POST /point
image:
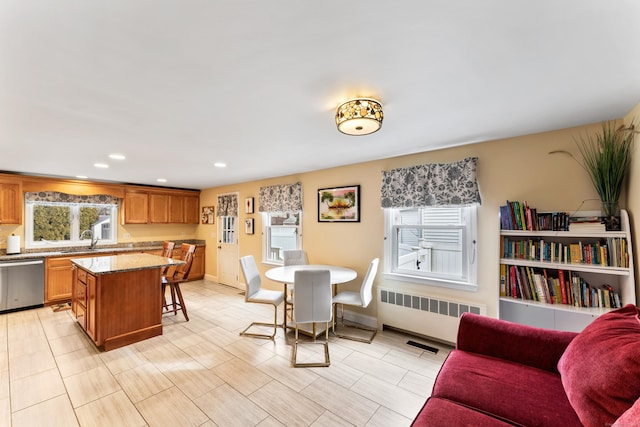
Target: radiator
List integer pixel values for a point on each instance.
(423, 314)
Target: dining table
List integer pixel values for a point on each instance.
(286, 275)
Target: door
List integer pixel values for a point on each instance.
(228, 264)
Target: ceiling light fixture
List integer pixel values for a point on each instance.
(220, 165)
(360, 116)
(117, 156)
(101, 165)
(161, 180)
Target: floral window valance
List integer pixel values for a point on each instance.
(57, 197)
(228, 205)
(436, 184)
(280, 198)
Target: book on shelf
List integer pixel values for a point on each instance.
(557, 287)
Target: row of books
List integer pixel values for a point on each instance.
(519, 216)
(564, 287)
(609, 252)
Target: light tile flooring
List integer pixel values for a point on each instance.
(202, 373)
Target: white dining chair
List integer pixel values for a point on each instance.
(358, 299)
(312, 304)
(295, 257)
(292, 257)
(254, 293)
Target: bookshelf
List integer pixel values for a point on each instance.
(594, 266)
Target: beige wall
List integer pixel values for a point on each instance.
(633, 183)
(520, 168)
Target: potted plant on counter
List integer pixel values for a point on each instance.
(606, 157)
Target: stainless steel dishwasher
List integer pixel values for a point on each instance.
(21, 284)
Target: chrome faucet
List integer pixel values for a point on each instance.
(93, 241)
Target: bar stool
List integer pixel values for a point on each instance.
(173, 282)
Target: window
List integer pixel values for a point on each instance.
(281, 231)
(66, 224)
(432, 245)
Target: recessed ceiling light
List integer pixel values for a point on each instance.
(161, 180)
(220, 165)
(82, 176)
(117, 156)
(101, 165)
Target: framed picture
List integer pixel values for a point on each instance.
(248, 226)
(248, 205)
(208, 216)
(339, 204)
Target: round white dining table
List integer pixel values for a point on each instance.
(287, 273)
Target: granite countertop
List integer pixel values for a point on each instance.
(119, 263)
(58, 252)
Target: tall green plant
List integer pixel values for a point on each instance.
(606, 157)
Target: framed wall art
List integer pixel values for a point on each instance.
(339, 204)
(248, 205)
(208, 216)
(248, 226)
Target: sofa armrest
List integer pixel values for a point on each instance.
(537, 347)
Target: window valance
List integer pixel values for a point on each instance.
(280, 198)
(227, 205)
(436, 184)
(58, 197)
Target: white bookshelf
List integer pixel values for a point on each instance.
(563, 316)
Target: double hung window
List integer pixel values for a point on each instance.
(432, 245)
(50, 223)
(281, 231)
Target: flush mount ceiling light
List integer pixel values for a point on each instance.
(360, 116)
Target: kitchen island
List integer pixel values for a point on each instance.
(117, 299)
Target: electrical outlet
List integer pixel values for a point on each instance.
(127, 235)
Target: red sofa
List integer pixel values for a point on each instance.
(504, 374)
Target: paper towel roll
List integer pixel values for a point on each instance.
(13, 244)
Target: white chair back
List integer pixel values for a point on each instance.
(312, 298)
(366, 291)
(295, 257)
(251, 276)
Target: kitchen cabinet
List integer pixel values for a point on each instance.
(175, 209)
(59, 279)
(136, 207)
(160, 207)
(10, 203)
(191, 209)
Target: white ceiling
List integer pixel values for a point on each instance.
(176, 85)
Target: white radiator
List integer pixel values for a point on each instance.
(423, 314)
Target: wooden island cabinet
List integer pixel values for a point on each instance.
(117, 300)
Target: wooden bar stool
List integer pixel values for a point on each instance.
(173, 282)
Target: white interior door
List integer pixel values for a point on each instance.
(228, 263)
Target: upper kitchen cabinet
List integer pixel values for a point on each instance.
(161, 207)
(10, 202)
(192, 209)
(158, 208)
(136, 207)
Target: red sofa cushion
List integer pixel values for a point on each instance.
(513, 391)
(444, 413)
(600, 369)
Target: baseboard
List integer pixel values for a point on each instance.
(363, 319)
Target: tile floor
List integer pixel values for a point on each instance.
(202, 373)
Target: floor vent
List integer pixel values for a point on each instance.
(432, 305)
(423, 346)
